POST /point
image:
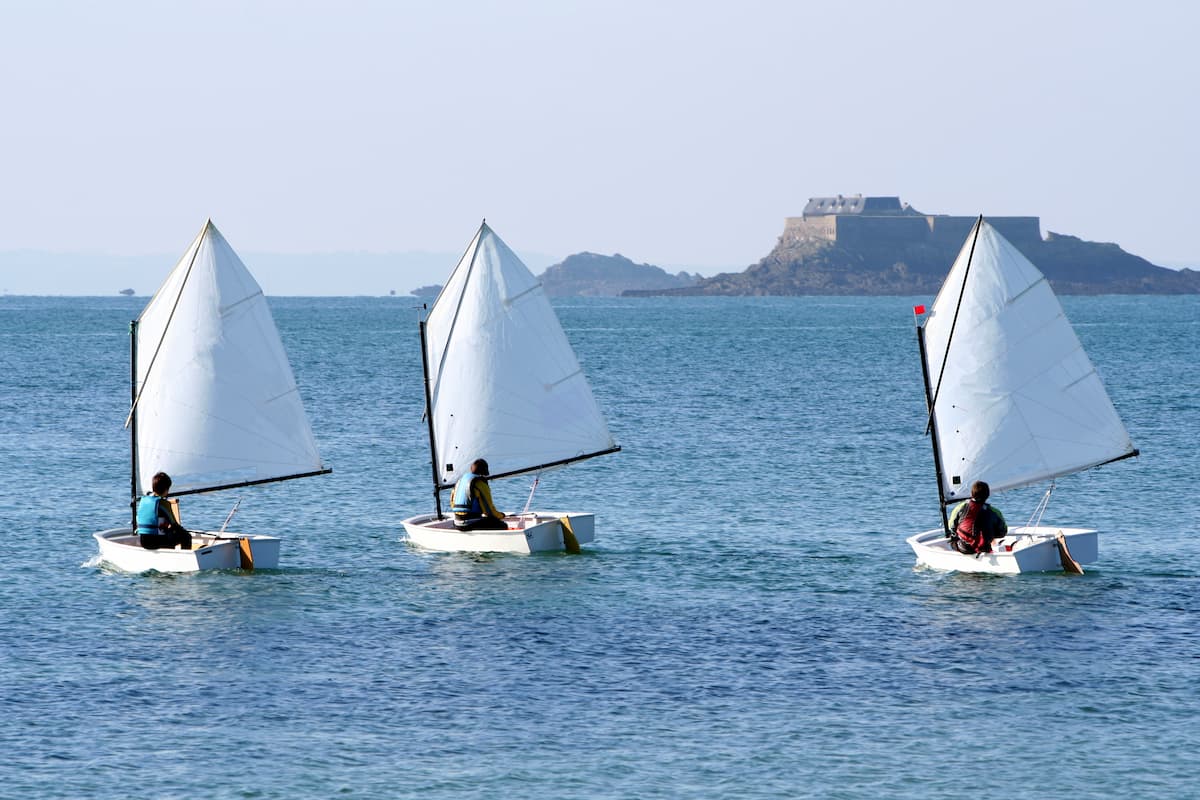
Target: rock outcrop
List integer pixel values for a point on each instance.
(589, 274)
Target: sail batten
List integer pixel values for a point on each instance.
(1018, 400)
(505, 384)
(218, 405)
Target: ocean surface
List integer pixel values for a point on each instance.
(749, 623)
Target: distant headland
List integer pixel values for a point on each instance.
(855, 245)
(591, 274)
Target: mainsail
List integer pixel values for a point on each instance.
(504, 382)
(216, 403)
(1016, 399)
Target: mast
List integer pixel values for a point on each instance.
(133, 461)
(433, 463)
(932, 429)
(930, 393)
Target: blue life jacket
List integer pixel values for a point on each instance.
(147, 515)
(462, 502)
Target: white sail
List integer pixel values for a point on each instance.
(217, 402)
(1017, 400)
(505, 383)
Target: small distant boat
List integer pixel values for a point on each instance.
(214, 404)
(1013, 400)
(502, 383)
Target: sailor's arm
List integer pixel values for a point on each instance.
(484, 493)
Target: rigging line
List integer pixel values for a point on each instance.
(473, 249)
(1039, 511)
(950, 336)
(195, 252)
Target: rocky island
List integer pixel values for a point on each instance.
(589, 274)
(855, 245)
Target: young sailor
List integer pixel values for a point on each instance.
(156, 523)
(472, 501)
(975, 523)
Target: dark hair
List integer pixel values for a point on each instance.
(479, 466)
(980, 491)
(160, 483)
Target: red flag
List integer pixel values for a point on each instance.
(918, 309)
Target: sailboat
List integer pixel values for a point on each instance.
(503, 384)
(213, 403)
(1013, 400)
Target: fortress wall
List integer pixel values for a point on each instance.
(875, 231)
(953, 231)
(814, 227)
(1018, 230)
(942, 230)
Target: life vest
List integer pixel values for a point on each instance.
(969, 534)
(464, 502)
(148, 516)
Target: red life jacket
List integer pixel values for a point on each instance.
(968, 534)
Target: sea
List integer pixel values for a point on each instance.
(749, 623)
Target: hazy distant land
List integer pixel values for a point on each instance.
(850, 245)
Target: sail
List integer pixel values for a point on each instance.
(1016, 399)
(505, 383)
(217, 403)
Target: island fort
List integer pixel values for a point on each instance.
(885, 221)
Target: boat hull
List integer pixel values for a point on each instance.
(1023, 549)
(531, 532)
(122, 550)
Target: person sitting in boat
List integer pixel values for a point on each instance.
(472, 501)
(156, 523)
(975, 524)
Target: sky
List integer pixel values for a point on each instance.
(680, 134)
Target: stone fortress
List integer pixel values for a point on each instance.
(856, 245)
(858, 221)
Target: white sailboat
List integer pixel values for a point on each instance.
(214, 404)
(502, 383)
(1013, 400)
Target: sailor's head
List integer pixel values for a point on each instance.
(479, 467)
(161, 483)
(980, 491)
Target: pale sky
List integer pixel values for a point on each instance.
(676, 133)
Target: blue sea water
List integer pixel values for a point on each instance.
(749, 624)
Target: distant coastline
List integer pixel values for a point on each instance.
(842, 245)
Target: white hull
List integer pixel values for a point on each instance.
(1024, 549)
(122, 549)
(531, 532)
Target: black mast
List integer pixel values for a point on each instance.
(133, 460)
(930, 394)
(433, 462)
(932, 428)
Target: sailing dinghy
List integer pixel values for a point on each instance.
(1013, 400)
(502, 383)
(213, 404)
